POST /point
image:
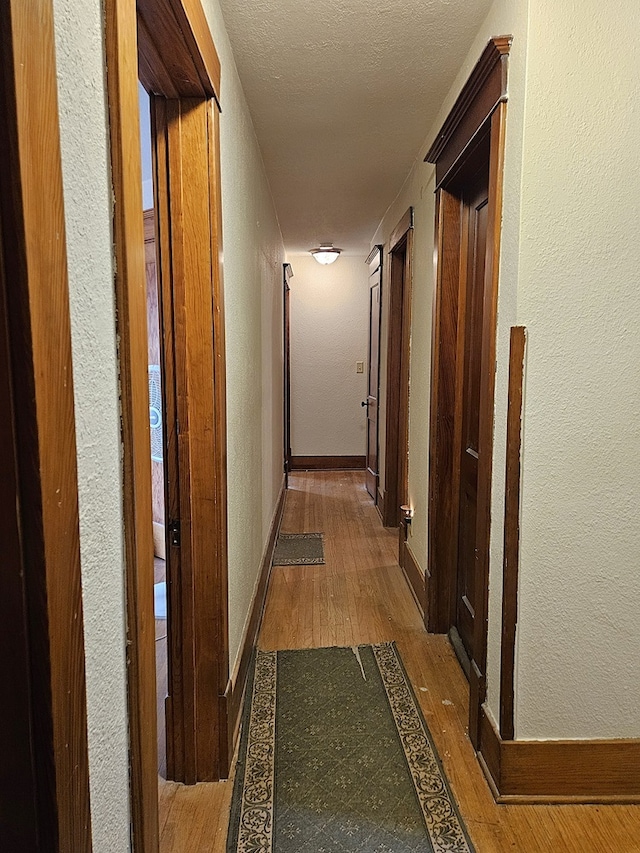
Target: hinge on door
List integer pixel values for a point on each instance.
(174, 532)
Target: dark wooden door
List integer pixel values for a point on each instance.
(373, 371)
(475, 201)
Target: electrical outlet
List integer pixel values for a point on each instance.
(359, 366)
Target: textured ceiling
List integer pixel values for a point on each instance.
(342, 94)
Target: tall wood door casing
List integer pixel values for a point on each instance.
(44, 772)
(475, 203)
(373, 371)
(469, 144)
(398, 357)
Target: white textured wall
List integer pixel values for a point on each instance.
(418, 191)
(329, 334)
(253, 259)
(87, 198)
(568, 271)
(578, 664)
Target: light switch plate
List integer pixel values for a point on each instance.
(359, 366)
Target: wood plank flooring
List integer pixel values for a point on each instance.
(361, 596)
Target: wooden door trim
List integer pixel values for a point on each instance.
(378, 250)
(287, 275)
(511, 550)
(36, 364)
(397, 391)
(480, 109)
(485, 88)
(167, 29)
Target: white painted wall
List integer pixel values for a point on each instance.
(578, 669)
(87, 199)
(253, 259)
(568, 272)
(329, 334)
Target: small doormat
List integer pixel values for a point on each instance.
(335, 756)
(299, 549)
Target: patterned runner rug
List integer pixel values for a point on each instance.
(299, 549)
(336, 758)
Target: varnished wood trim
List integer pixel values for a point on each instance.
(397, 388)
(239, 679)
(559, 771)
(486, 423)
(322, 463)
(401, 229)
(511, 531)
(414, 575)
(177, 55)
(443, 476)
(44, 782)
(493, 53)
(380, 503)
(130, 290)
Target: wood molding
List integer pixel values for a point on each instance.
(473, 134)
(176, 59)
(399, 277)
(380, 503)
(511, 531)
(328, 463)
(485, 87)
(130, 291)
(559, 771)
(478, 685)
(414, 575)
(401, 229)
(442, 532)
(177, 55)
(238, 682)
(44, 778)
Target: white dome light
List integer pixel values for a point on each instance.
(326, 253)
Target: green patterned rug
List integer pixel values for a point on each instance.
(336, 757)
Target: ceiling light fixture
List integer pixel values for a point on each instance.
(326, 253)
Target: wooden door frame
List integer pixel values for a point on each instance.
(168, 44)
(479, 110)
(287, 274)
(44, 781)
(397, 390)
(379, 251)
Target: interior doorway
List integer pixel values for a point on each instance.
(398, 354)
(156, 427)
(468, 154)
(473, 188)
(177, 63)
(372, 403)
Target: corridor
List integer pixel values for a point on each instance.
(361, 596)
